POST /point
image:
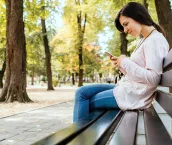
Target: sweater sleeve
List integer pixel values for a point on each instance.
(154, 52)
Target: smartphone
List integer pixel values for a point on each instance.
(110, 55)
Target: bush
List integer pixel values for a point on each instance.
(43, 78)
(55, 82)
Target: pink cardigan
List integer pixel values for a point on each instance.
(142, 73)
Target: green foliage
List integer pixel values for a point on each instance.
(2, 32)
(35, 54)
(94, 25)
(36, 10)
(64, 42)
(55, 82)
(152, 10)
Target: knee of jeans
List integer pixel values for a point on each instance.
(80, 94)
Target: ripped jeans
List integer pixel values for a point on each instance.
(91, 97)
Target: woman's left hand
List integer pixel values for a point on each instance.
(118, 61)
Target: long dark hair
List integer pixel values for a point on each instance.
(137, 12)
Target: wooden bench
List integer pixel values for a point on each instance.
(115, 127)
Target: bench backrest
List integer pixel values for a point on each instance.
(165, 99)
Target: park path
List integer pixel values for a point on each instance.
(28, 127)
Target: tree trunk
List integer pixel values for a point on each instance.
(124, 43)
(81, 31)
(80, 48)
(145, 4)
(76, 77)
(164, 13)
(47, 54)
(24, 58)
(73, 79)
(81, 71)
(32, 76)
(2, 73)
(15, 83)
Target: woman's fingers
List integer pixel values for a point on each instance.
(116, 61)
(113, 58)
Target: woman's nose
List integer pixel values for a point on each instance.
(125, 29)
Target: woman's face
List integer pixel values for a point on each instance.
(130, 26)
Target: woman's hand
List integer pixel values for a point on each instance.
(117, 60)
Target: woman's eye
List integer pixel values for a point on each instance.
(125, 24)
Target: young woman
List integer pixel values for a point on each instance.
(141, 71)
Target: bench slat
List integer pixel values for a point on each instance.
(166, 79)
(156, 134)
(165, 100)
(168, 62)
(66, 134)
(93, 134)
(125, 134)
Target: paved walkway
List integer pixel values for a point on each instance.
(29, 127)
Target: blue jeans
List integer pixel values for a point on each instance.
(92, 97)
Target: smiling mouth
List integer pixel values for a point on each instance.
(129, 32)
